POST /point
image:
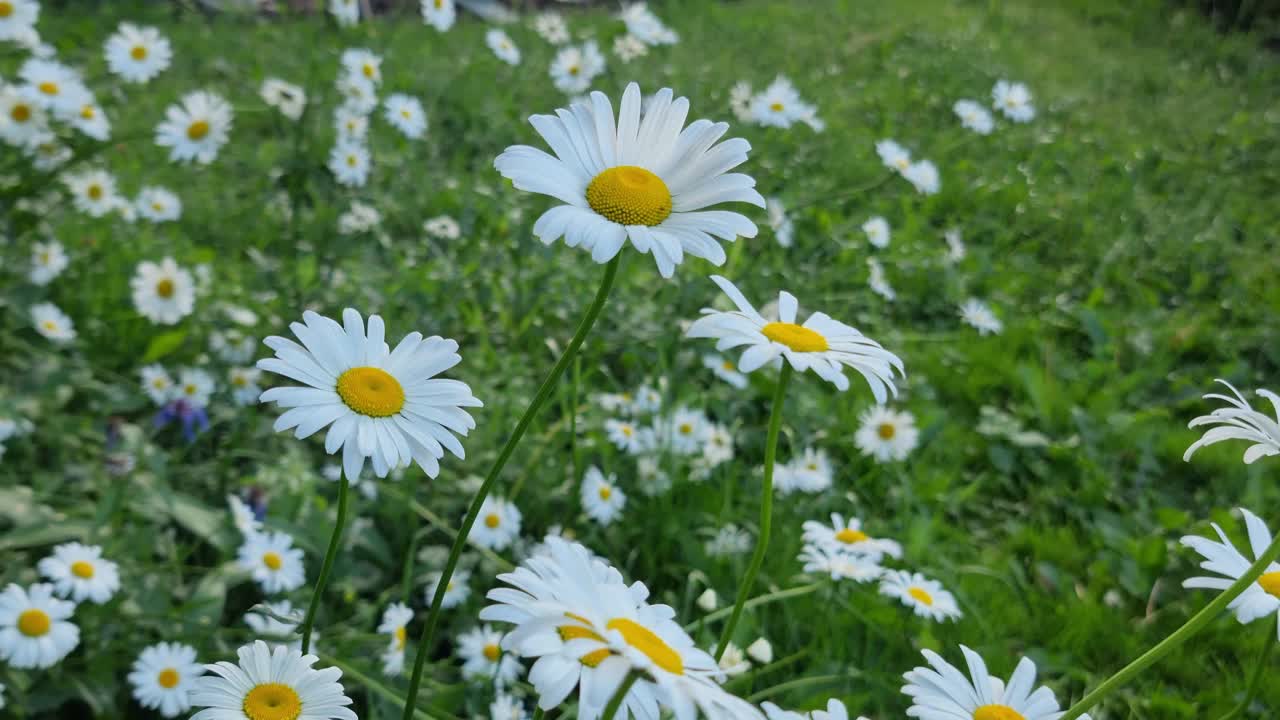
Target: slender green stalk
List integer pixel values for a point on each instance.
(544, 392)
(615, 702)
(1179, 636)
(1256, 680)
(766, 510)
(793, 684)
(765, 599)
(537, 714)
(309, 621)
(373, 685)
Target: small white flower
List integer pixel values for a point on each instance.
(360, 218)
(502, 46)
(79, 573)
(195, 386)
(351, 126)
(1262, 598)
(629, 437)
(979, 316)
(442, 226)
(405, 113)
(885, 434)
(439, 14)
(602, 499)
(1239, 421)
(48, 260)
(576, 66)
(275, 564)
(35, 627)
(1014, 100)
(878, 282)
(647, 27)
(974, 117)
(158, 205)
(163, 677)
(92, 191)
(483, 657)
(52, 323)
(629, 47)
(277, 623)
(457, 593)
(362, 63)
(346, 12)
(196, 129)
(137, 54)
(955, 245)
(877, 230)
(760, 651)
(708, 600)
(552, 28)
(244, 385)
(725, 369)
(289, 99)
(349, 162)
(926, 598)
(924, 176)
(779, 105)
(780, 222)
(268, 684)
(497, 525)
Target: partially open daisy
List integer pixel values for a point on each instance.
(941, 691)
(927, 598)
(482, 657)
(886, 434)
(839, 564)
(502, 46)
(645, 179)
(196, 129)
(137, 54)
(269, 684)
(382, 404)
(52, 323)
(602, 499)
(848, 536)
(395, 623)
(79, 572)
(1239, 421)
(163, 292)
(158, 204)
(1262, 599)
(163, 677)
(458, 591)
(275, 563)
(821, 344)
(405, 113)
(439, 14)
(497, 525)
(35, 631)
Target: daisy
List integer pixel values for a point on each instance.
(728, 540)
(602, 499)
(646, 27)
(380, 404)
(941, 691)
(286, 97)
(740, 96)
(439, 14)
(345, 12)
(629, 47)
(724, 369)
(90, 119)
(979, 316)
(506, 707)
(782, 226)
(196, 129)
(458, 591)
(244, 385)
(137, 54)
(733, 661)
(1240, 422)
(1014, 100)
(349, 162)
(974, 117)
(395, 621)
(878, 282)
(847, 536)
(34, 628)
(812, 471)
(926, 598)
(360, 218)
(363, 63)
(18, 18)
(877, 230)
(158, 204)
(52, 323)
(482, 657)
(837, 564)
(48, 260)
(822, 344)
(22, 120)
(1262, 599)
(79, 573)
(924, 176)
(195, 386)
(163, 677)
(499, 524)
(551, 27)
(92, 191)
(718, 446)
(54, 86)
(276, 622)
(405, 113)
(359, 94)
(645, 180)
(779, 105)
(270, 684)
(501, 45)
(573, 69)
(351, 125)
(955, 245)
(275, 564)
(627, 436)
(243, 516)
(157, 384)
(886, 434)
(46, 153)
(894, 156)
(442, 227)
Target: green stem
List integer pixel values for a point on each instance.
(544, 392)
(1254, 681)
(774, 596)
(611, 710)
(309, 621)
(766, 510)
(373, 685)
(1179, 636)
(537, 714)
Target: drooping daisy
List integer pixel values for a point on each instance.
(196, 129)
(643, 180)
(345, 12)
(158, 204)
(270, 684)
(837, 564)
(277, 623)
(22, 119)
(79, 573)
(926, 598)
(164, 293)
(878, 281)
(349, 162)
(163, 677)
(551, 27)
(52, 323)
(54, 86)
(877, 230)
(286, 97)
(244, 385)
(886, 434)
(974, 117)
(1014, 101)
(439, 14)
(646, 27)
(575, 67)
(602, 499)
(405, 113)
(137, 54)
(847, 536)
(92, 191)
(48, 260)
(502, 46)
(18, 18)
(979, 316)
(629, 47)
(380, 404)
(395, 622)
(35, 631)
(725, 370)
(942, 691)
(1240, 421)
(924, 176)
(243, 516)
(275, 563)
(363, 63)
(781, 224)
(1262, 599)
(628, 436)
(498, 526)
(458, 591)
(779, 105)
(482, 657)
(821, 344)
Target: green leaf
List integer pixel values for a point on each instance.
(162, 345)
(38, 535)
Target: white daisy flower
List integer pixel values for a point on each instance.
(22, 120)
(158, 204)
(502, 46)
(90, 119)
(439, 14)
(718, 445)
(157, 384)
(442, 226)
(196, 129)
(244, 385)
(878, 282)
(345, 12)
(885, 434)
(137, 54)
(46, 153)
(629, 47)
(974, 117)
(642, 180)
(955, 245)
(351, 126)
(979, 316)
(941, 691)
(733, 661)
(551, 27)
(405, 113)
(92, 191)
(360, 96)
(79, 573)
(575, 67)
(1262, 599)
(54, 86)
(48, 260)
(1240, 422)
(395, 622)
(270, 684)
(811, 472)
(782, 226)
(349, 162)
(724, 369)
(627, 436)
(19, 18)
(1014, 101)
(847, 536)
(195, 386)
(602, 499)
(773, 712)
(926, 598)
(35, 631)
(360, 218)
(877, 230)
(275, 564)
(163, 677)
(380, 404)
(924, 176)
(242, 516)
(499, 524)
(277, 623)
(482, 657)
(821, 344)
(363, 63)
(52, 323)
(506, 707)
(289, 99)
(646, 27)
(779, 105)
(894, 156)
(837, 564)
(729, 540)
(457, 593)
(740, 96)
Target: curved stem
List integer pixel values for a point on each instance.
(766, 510)
(309, 621)
(759, 600)
(1254, 681)
(539, 398)
(1179, 636)
(611, 710)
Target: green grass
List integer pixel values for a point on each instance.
(1127, 238)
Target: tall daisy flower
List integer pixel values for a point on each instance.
(92, 191)
(80, 573)
(1239, 421)
(439, 14)
(942, 691)
(395, 622)
(196, 129)
(275, 563)
(1262, 598)
(163, 677)
(645, 179)
(886, 434)
(270, 684)
(35, 627)
(926, 598)
(137, 54)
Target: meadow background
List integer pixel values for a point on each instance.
(1126, 238)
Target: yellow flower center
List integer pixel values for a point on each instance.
(197, 130)
(239, 380)
(997, 712)
(776, 107)
(402, 637)
(369, 70)
(352, 160)
(190, 389)
(1271, 583)
(371, 391)
(157, 206)
(627, 430)
(80, 568)
(574, 69)
(902, 163)
(88, 112)
(796, 337)
(272, 560)
(34, 623)
(164, 288)
(849, 536)
(159, 383)
(922, 597)
(272, 701)
(49, 325)
(95, 192)
(577, 632)
(728, 365)
(48, 87)
(886, 431)
(686, 428)
(6, 8)
(605, 492)
(492, 520)
(406, 114)
(138, 52)
(595, 657)
(20, 113)
(630, 195)
(492, 652)
(646, 641)
(439, 4)
(168, 678)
